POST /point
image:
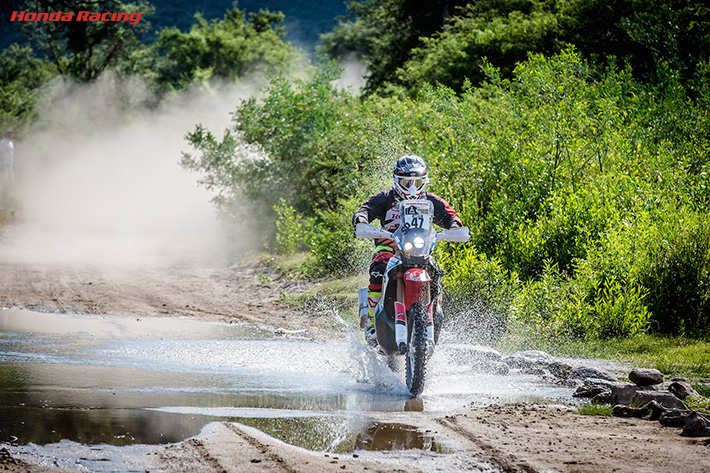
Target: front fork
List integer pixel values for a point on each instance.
(413, 286)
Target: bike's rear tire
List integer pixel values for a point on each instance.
(415, 367)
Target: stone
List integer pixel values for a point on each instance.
(559, 369)
(535, 355)
(645, 377)
(664, 398)
(674, 417)
(652, 410)
(682, 390)
(603, 397)
(590, 390)
(696, 425)
(490, 367)
(519, 363)
(584, 372)
(624, 393)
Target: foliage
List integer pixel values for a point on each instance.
(567, 176)
(219, 50)
(396, 27)
(348, 40)
(448, 42)
(677, 275)
(700, 404)
(474, 281)
(460, 52)
(298, 134)
(21, 77)
(292, 232)
(83, 50)
(334, 250)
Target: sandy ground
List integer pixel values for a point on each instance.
(513, 438)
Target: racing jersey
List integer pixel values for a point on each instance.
(384, 206)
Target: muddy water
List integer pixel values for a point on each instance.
(118, 382)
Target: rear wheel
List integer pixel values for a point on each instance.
(415, 368)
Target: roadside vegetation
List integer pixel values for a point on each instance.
(576, 150)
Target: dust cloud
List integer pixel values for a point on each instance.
(99, 180)
(354, 75)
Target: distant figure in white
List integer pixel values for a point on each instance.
(7, 163)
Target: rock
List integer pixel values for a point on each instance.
(519, 363)
(645, 377)
(652, 410)
(486, 353)
(490, 367)
(682, 389)
(627, 411)
(696, 425)
(534, 370)
(591, 390)
(473, 352)
(624, 393)
(664, 398)
(603, 397)
(559, 369)
(674, 418)
(657, 410)
(566, 382)
(583, 373)
(535, 355)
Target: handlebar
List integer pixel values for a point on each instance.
(364, 230)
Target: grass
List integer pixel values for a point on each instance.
(339, 295)
(595, 409)
(673, 356)
(700, 404)
(670, 355)
(328, 295)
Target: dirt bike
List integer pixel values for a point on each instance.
(408, 317)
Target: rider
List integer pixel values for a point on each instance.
(410, 180)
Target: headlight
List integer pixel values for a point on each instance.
(408, 246)
(418, 243)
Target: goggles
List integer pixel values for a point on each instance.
(409, 182)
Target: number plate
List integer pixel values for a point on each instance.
(416, 215)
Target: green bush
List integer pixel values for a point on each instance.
(677, 275)
(478, 292)
(22, 76)
(334, 249)
(293, 232)
(218, 51)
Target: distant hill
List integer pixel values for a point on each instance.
(304, 22)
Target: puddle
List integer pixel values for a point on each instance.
(392, 436)
(119, 382)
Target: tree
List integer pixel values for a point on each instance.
(397, 27)
(499, 36)
(21, 77)
(299, 147)
(226, 50)
(85, 49)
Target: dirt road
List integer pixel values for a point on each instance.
(514, 438)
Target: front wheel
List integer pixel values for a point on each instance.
(415, 368)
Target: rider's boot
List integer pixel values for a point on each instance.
(370, 334)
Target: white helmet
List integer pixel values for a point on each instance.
(410, 176)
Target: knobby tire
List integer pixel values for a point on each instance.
(415, 368)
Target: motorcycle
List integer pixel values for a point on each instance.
(408, 317)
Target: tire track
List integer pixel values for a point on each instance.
(265, 450)
(505, 461)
